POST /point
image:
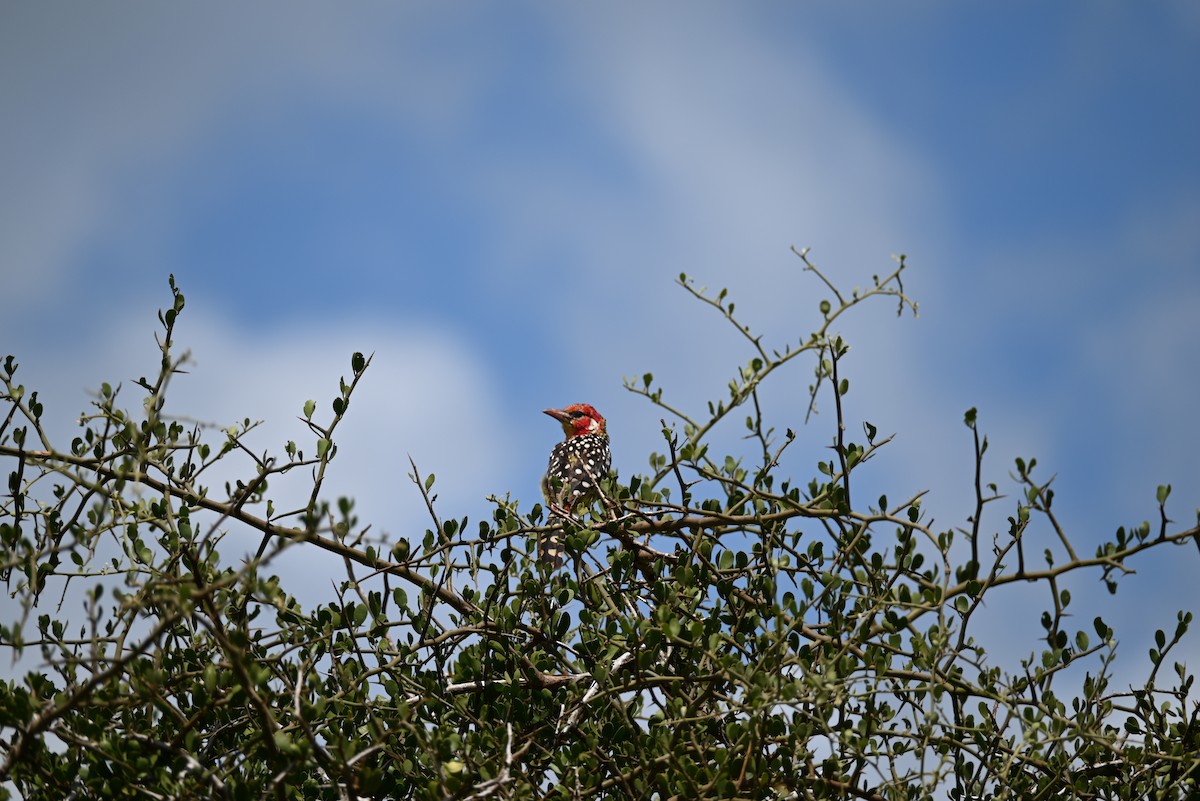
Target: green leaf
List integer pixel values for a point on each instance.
(1163, 491)
(310, 406)
(283, 741)
(322, 447)
(358, 363)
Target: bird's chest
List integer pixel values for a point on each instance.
(586, 453)
(576, 464)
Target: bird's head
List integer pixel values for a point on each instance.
(578, 419)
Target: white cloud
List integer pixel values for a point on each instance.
(735, 146)
(422, 388)
(125, 94)
(424, 395)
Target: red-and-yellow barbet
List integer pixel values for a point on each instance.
(577, 464)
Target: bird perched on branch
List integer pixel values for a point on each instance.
(576, 466)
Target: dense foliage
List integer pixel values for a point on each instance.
(719, 631)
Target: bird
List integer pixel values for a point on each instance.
(572, 477)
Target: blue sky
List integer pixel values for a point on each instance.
(496, 200)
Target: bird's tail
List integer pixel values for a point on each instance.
(551, 547)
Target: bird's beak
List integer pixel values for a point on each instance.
(557, 414)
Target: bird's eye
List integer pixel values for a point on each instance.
(576, 415)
